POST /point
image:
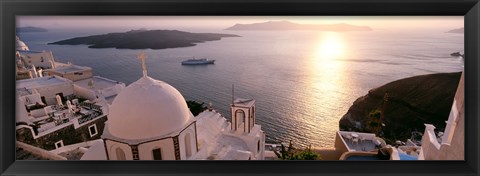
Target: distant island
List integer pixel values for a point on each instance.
(144, 39)
(411, 103)
(287, 25)
(458, 31)
(30, 29)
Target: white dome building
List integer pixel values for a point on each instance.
(19, 45)
(148, 108)
(149, 120)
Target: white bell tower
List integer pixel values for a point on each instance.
(243, 115)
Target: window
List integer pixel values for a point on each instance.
(43, 100)
(120, 154)
(157, 154)
(92, 129)
(188, 146)
(239, 114)
(59, 144)
(61, 96)
(258, 146)
(252, 120)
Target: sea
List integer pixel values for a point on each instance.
(303, 81)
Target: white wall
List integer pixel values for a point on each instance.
(166, 146)
(36, 59)
(72, 76)
(21, 113)
(49, 92)
(252, 142)
(453, 144)
(34, 98)
(84, 92)
(112, 146)
(193, 141)
(110, 91)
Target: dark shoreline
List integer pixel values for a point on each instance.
(144, 39)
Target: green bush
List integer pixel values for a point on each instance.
(195, 107)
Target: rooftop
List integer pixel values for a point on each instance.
(40, 82)
(95, 152)
(98, 83)
(60, 64)
(70, 68)
(29, 52)
(214, 133)
(244, 102)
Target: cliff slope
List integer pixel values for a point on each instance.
(411, 103)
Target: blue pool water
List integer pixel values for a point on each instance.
(407, 157)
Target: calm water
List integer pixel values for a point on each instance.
(303, 81)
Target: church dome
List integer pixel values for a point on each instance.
(148, 108)
(19, 45)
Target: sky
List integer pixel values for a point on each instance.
(222, 22)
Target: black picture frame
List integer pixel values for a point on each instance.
(470, 9)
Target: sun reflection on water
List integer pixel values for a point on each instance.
(327, 76)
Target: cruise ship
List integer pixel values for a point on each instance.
(198, 62)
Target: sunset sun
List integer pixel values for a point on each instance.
(330, 46)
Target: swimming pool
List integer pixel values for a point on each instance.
(404, 156)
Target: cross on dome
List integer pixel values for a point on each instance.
(142, 58)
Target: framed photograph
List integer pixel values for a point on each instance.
(239, 87)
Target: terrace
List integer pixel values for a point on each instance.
(96, 86)
(56, 117)
(24, 86)
(355, 141)
(70, 69)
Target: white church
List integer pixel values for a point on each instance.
(150, 120)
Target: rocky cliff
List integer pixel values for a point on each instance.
(407, 104)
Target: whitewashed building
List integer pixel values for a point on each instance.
(46, 87)
(38, 59)
(30, 64)
(20, 45)
(98, 87)
(51, 113)
(72, 72)
(452, 143)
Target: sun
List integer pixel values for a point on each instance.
(330, 46)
